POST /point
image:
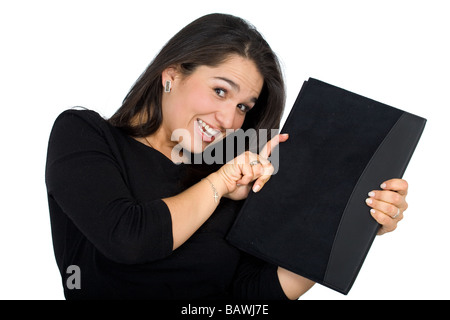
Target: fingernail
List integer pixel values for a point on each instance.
(256, 188)
(371, 194)
(383, 185)
(369, 201)
(372, 211)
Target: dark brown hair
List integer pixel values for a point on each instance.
(208, 41)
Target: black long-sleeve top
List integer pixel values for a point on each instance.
(107, 217)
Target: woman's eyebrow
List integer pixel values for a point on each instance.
(233, 84)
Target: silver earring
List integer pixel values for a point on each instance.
(168, 86)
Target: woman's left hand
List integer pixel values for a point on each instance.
(388, 204)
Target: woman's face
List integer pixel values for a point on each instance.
(209, 101)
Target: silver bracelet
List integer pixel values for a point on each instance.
(216, 194)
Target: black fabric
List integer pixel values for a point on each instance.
(333, 137)
(107, 218)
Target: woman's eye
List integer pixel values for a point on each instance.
(220, 92)
(243, 108)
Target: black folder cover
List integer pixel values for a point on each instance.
(311, 217)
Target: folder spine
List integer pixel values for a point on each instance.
(357, 229)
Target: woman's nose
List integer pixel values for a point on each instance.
(227, 116)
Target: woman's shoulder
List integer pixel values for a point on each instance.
(81, 130)
(76, 125)
(78, 117)
(80, 113)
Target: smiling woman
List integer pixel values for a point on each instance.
(207, 42)
(122, 211)
(126, 215)
(206, 103)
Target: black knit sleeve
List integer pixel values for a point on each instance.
(257, 280)
(86, 181)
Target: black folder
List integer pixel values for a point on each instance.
(311, 217)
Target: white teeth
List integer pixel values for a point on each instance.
(207, 129)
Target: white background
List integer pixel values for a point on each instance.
(58, 54)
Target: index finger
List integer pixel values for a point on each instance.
(271, 144)
(398, 185)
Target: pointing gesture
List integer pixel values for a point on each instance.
(249, 167)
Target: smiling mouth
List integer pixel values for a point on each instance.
(208, 134)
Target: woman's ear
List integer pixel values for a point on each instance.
(169, 77)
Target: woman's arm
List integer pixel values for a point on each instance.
(85, 181)
(86, 186)
(191, 208)
(293, 284)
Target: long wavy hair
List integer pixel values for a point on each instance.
(207, 41)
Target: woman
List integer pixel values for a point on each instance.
(138, 225)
